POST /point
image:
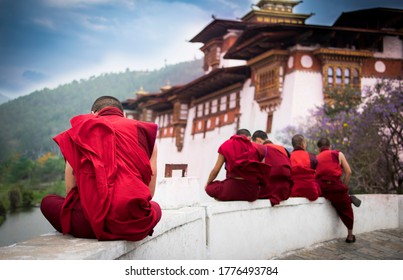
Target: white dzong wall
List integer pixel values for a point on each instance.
(302, 92)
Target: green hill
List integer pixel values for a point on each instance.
(28, 123)
(3, 98)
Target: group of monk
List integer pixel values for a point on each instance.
(256, 168)
(111, 169)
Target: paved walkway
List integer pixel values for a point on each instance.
(375, 245)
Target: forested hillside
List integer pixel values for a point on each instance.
(28, 123)
(3, 98)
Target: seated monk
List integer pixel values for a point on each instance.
(303, 165)
(110, 176)
(278, 183)
(244, 170)
(333, 174)
(260, 137)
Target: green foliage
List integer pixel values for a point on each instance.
(3, 210)
(40, 177)
(14, 196)
(27, 198)
(28, 123)
(341, 100)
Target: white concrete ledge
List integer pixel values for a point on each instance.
(221, 230)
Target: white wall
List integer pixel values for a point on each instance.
(222, 230)
(392, 48)
(302, 91)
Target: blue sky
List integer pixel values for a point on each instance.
(44, 43)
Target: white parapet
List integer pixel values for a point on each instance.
(193, 229)
(178, 192)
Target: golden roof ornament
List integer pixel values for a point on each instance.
(141, 92)
(167, 86)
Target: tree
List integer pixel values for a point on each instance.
(381, 123)
(14, 196)
(367, 129)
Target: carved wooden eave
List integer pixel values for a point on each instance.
(262, 3)
(326, 55)
(374, 18)
(139, 101)
(257, 39)
(217, 29)
(269, 57)
(275, 11)
(263, 17)
(159, 104)
(269, 104)
(217, 79)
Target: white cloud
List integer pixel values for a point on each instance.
(44, 22)
(96, 23)
(75, 3)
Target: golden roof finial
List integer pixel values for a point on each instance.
(141, 91)
(167, 86)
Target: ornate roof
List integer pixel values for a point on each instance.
(209, 83)
(258, 39)
(376, 18)
(217, 29)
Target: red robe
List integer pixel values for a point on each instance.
(110, 156)
(278, 147)
(242, 160)
(328, 176)
(303, 167)
(278, 183)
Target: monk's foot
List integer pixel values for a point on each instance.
(355, 201)
(350, 239)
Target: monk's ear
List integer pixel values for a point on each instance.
(249, 138)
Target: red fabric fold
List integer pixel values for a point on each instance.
(112, 172)
(278, 183)
(303, 176)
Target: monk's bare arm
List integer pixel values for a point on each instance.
(346, 168)
(69, 178)
(217, 167)
(153, 163)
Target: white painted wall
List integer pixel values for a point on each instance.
(222, 230)
(252, 118)
(392, 48)
(302, 91)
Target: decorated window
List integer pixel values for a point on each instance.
(341, 76)
(223, 103)
(214, 106)
(183, 112)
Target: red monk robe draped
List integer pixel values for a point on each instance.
(110, 156)
(244, 168)
(328, 176)
(303, 167)
(278, 183)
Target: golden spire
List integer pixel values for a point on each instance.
(141, 92)
(166, 87)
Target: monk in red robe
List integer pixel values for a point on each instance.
(260, 137)
(244, 169)
(303, 165)
(110, 176)
(332, 164)
(278, 184)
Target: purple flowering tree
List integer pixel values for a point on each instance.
(380, 130)
(367, 128)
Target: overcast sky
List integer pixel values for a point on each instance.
(44, 43)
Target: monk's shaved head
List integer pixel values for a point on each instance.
(106, 101)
